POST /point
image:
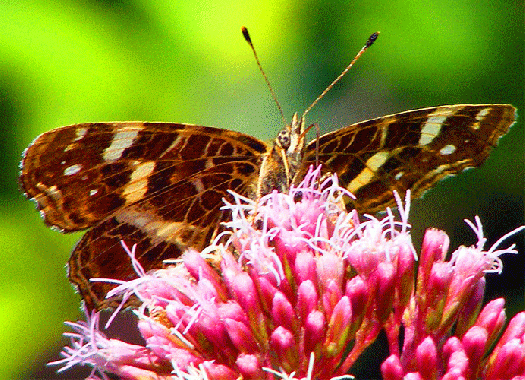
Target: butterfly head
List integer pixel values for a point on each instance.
(290, 140)
(280, 166)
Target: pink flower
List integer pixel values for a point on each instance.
(300, 289)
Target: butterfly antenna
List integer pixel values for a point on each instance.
(249, 40)
(369, 43)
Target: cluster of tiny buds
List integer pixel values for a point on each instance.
(299, 288)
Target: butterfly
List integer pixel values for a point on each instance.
(161, 185)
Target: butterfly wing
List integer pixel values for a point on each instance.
(410, 150)
(157, 185)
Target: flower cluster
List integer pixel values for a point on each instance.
(300, 288)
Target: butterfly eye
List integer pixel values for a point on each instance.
(283, 139)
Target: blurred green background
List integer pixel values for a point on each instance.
(65, 62)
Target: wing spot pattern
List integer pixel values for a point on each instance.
(199, 186)
(138, 184)
(447, 150)
(73, 169)
(479, 118)
(366, 175)
(431, 129)
(120, 142)
(80, 133)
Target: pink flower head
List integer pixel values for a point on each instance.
(298, 290)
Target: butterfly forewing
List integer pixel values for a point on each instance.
(410, 150)
(82, 173)
(156, 185)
